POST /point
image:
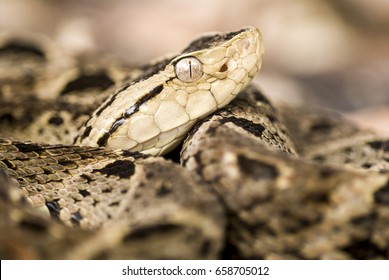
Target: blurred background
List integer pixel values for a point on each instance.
(331, 53)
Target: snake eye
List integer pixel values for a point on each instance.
(189, 69)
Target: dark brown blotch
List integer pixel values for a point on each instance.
(86, 132)
(157, 229)
(321, 126)
(253, 128)
(33, 225)
(103, 139)
(76, 218)
(256, 169)
(84, 193)
(381, 196)
(164, 190)
(99, 81)
(27, 147)
(122, 168)
(56, 120)
(20, 47)
(54, 208)
(379, 145)
(365, 250)
(327, 172)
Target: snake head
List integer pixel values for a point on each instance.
(153, 113)
(224, 64)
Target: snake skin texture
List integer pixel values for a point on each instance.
(247, 181)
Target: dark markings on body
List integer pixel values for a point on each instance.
(153, 69)
(54, 208)
(27, 147)
(365, 250)
(380, 145)
(56, 120)
(99, 81)
(33, 225)
(253, 128)
(381, 196)
(164, 190)
(20, 47)
(76, 218)
(86, 132)
(157, 230)
(122, 168)
(257, 170)
(129, 112)
(84, 193)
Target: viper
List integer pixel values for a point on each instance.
(181, 158)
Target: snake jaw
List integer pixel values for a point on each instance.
(153, 114)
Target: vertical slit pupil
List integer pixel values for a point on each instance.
(190, 68)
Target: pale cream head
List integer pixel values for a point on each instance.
(154, 113)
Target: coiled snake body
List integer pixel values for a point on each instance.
(247, 183)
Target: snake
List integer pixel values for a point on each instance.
(181, 158)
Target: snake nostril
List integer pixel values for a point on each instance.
(224, 68)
